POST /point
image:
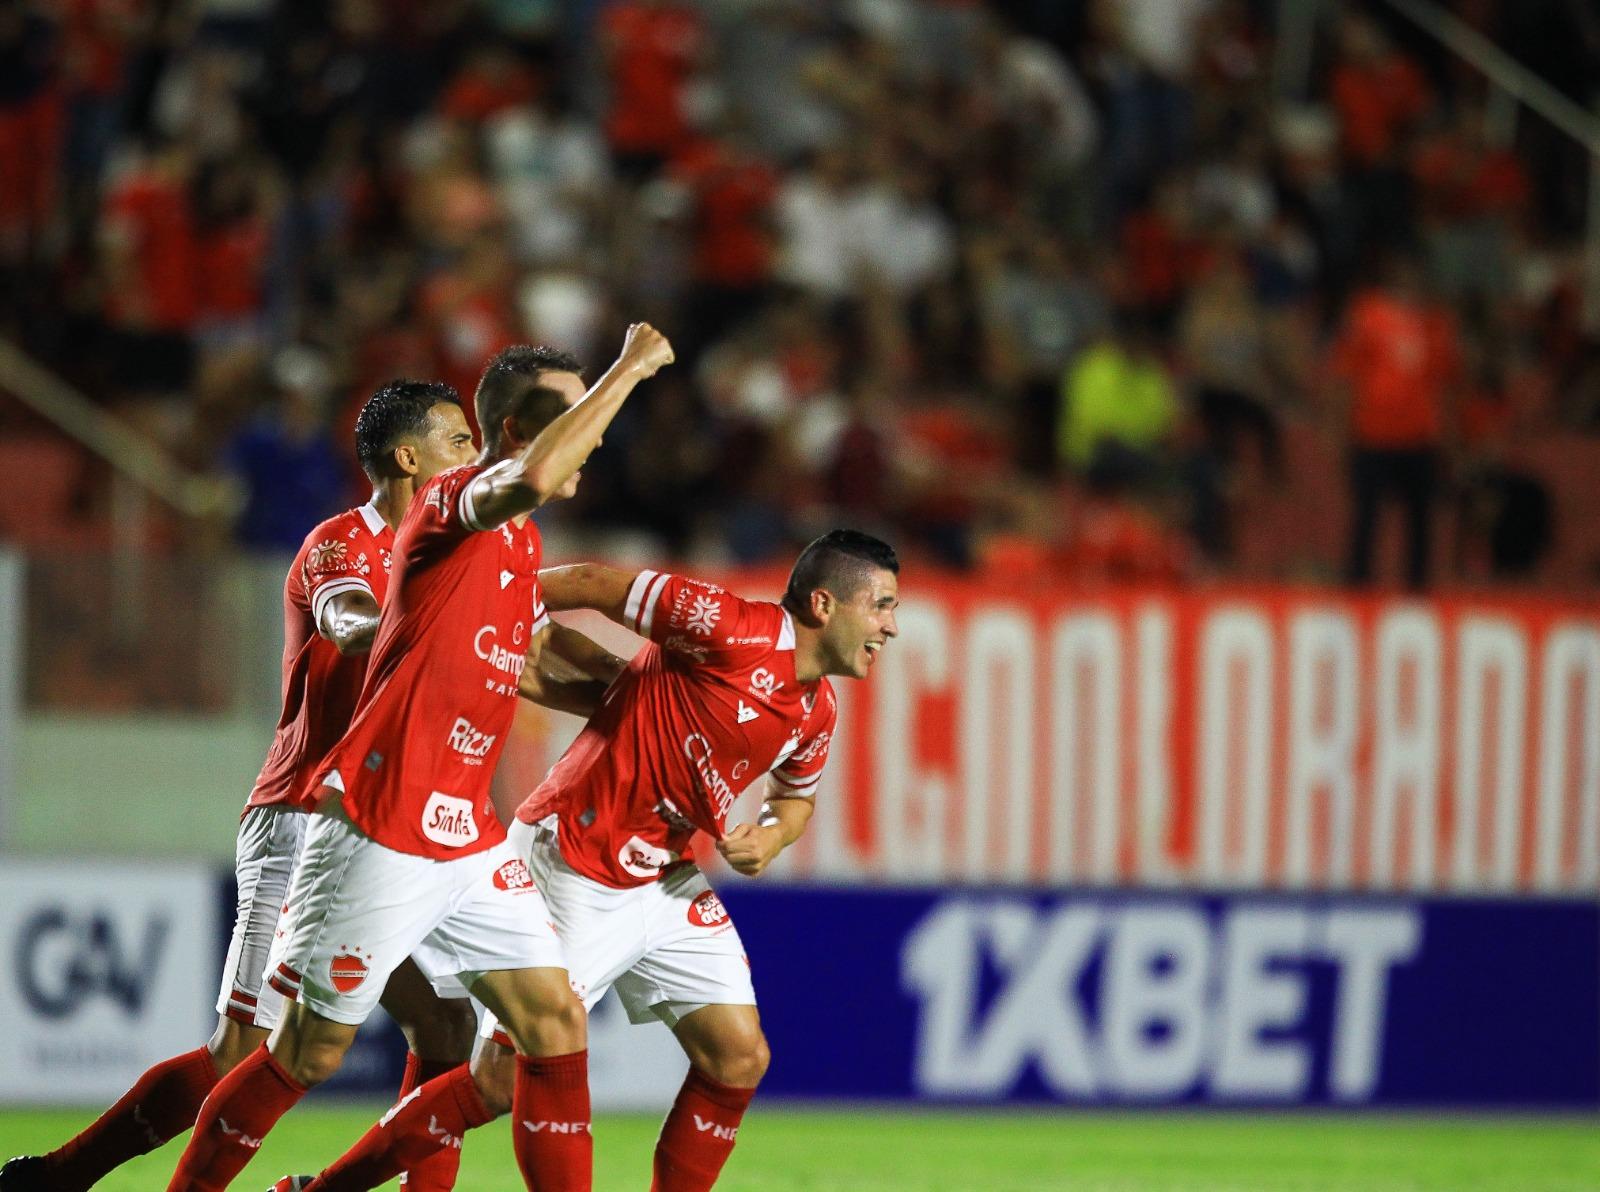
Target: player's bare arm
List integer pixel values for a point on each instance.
(526, 480)
(587, 585)
(567, 672)
(750, 848)
(350, 621)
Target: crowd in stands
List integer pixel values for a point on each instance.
(1101, 290)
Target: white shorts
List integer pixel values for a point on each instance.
(360, 908)
(669, 947)
(263, 863)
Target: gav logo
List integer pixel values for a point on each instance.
(64, 959)
(1155, 1001)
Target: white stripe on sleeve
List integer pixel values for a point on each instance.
(647, 614)
(468, 509)
(332, 588)
(630, 611)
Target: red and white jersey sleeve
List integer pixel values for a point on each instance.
(699, 715)
(347, 553)
(441, 687)
(801, 771)
(700, 623)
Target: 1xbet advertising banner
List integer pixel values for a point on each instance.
(1128, 999)
(105, 969)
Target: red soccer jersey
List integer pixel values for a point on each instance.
(348, 553)
(442, 681)
(699, 714)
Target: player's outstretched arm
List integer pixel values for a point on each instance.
(750, 848)
(532, 476)
(587, 585)
(350, 621)
(566, 671)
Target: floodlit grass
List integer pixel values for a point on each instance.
(881, 1151)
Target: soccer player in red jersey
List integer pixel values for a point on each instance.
(404, 855)
(727, 689)
(407, 432)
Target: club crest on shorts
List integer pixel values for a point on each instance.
(514, 876)
(347, 971)
(707, 911)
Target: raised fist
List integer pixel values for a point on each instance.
(645, 349)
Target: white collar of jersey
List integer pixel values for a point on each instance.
(370, 515)
(786, 632)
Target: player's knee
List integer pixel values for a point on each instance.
(231, 1044)
(547, 1019)
(741, 1061)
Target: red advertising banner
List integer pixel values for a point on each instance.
(1260, 738)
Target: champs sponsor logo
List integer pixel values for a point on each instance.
(698, 750)
(817, 747)
(707, 911)
(687, 646)
(448, 820)
(514, 876)
(486, 646)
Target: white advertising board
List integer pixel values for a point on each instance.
(106, 970)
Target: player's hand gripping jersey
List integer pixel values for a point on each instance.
(347, 553)
(441, 686)
(700, 714)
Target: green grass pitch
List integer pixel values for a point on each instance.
(872, 1150)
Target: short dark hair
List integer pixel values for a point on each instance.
(396, 411)
(510, 387)
(839, 561)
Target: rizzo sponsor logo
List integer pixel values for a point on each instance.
(471, 744)
(707, 911)
(514, 876)
(346, 972)
(448, 820)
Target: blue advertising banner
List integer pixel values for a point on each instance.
(1124, 998)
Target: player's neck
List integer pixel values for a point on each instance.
(390, 498)
(808, 663)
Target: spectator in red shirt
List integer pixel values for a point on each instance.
(152, 269)
(651, 47)
(1378, 92)
(1398, 357)
(732, 193)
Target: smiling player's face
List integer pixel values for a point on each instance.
(447, 444)
(861, 624)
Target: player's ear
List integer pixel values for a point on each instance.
(822, 604)
(405, 458)
(511, 433)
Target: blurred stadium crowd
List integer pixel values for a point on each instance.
(1082, 291)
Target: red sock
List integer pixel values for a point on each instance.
(246, 1103)
(435, 1172)
(550, 1129)
(161, 1105)
(698, 1135)
(427, 1121)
